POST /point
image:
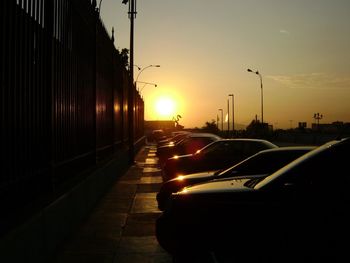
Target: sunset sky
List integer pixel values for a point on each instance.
(204, 48)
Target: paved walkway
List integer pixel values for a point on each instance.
(122, 226)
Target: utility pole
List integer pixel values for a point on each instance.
(233, 112)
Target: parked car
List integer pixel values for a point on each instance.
(217, 155)
(299, 213)
(260, 164)
(156, 135)
(176, 137)
(190, 144)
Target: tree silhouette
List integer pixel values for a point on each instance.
(211, 127)
(124, 57)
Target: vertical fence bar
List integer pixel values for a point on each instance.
(63, 97)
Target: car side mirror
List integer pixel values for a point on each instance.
(233, 173)
(289, 185)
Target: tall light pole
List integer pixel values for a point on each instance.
(99, 7)
(233, 112)
(138, 75)
(132, 15)
(318, 117)
(222, 119)
(217, 121)
(228, 116)
(262, 100)
(145, 83)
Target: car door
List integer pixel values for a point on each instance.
(314, 211)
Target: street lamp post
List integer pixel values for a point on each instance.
(233, 112)
(262, 101)
(318, 117)
(132, 15)
(228, 116)
(99, 7)
(146, 83)
(217, 121)
(222, 119)
(138, 75)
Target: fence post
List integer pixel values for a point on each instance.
(48, 25)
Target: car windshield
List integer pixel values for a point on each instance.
(246, 147)
(211, 147)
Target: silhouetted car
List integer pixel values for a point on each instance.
(300, 212)
(156, 135)
(215, 156)
(173, 139)
(190, 144)
(260, 164)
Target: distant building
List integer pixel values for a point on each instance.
(337, 126)
(302, 125)
(166, 126)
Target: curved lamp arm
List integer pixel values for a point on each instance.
(157, 66)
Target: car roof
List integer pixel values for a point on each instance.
(159, 130)
(248, 140)
(289, 148)
(204, 134)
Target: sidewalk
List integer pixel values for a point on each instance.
(122, 226)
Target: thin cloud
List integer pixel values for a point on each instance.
(285, 32)
(313, 81)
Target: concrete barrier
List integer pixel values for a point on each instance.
(38, 238)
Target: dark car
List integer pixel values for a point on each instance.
(260, 164)
(177, 136)
(299, 213)
(190, 144)
(156, 135)
(218, 155)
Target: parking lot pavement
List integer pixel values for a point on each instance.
(122, 226)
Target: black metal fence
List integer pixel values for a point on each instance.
(63, 96)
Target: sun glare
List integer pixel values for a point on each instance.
(165, 107)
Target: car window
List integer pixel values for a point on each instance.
(254, 147)
(212, 146)
(324, 170)
(222, 148)
(264, 163)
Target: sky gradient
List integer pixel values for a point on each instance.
(204, 49)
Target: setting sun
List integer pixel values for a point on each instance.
(165, 107)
